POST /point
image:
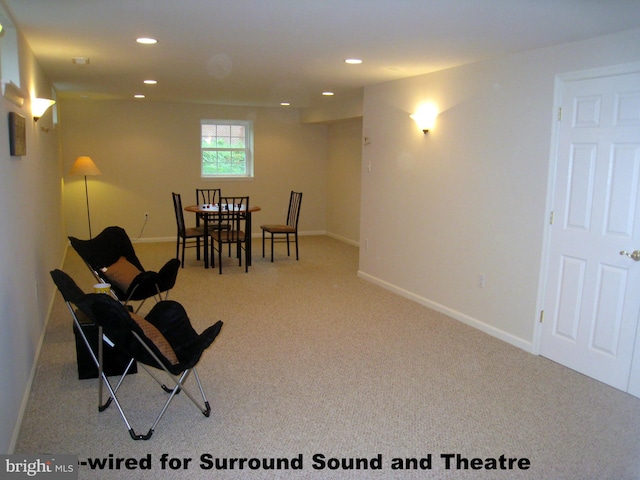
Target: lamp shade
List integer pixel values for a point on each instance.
(84, 166)
(39, 106)
(425, 117)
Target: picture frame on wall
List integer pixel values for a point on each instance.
(17, 135)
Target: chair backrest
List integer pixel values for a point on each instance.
(106, 248)
(295, 200)
(68, 288)
(207, 195)
(233, 213)
(177, 206)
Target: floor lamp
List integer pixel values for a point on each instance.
(85, 166)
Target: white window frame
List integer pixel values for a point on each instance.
(247, 150)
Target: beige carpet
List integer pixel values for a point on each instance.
(313, 361)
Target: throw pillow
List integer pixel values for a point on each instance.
(153, 334)
(121, 273)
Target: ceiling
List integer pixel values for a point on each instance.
(263, 52)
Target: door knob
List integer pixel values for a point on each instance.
(635, 255)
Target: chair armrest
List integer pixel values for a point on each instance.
(190, 352)
(149, 283)
(143, 286)
(168, 274)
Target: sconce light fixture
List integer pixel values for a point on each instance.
(39, 106)
(425, 117)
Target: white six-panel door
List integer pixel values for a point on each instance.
(592, 294)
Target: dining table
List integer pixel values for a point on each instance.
(207, 211)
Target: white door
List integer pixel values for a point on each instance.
(592, 295)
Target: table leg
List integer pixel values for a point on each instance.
(206, 240)
(248, 239)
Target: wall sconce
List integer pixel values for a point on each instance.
(425, 117)
(39, 106)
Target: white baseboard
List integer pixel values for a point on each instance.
(254, 235)
(466, 319)
(154, 240)
(343, 239)
(32, 373)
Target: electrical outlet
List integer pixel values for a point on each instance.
(482, 280)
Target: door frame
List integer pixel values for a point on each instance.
(559, 82)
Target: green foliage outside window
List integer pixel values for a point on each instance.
(226, 149)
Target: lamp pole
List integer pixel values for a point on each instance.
(84, 166)
(86, 194)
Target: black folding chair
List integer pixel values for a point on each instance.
(111, 258)
(164, 340)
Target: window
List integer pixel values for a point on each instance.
(227, 148)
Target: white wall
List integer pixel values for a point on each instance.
(31, 243)
(343, 185)
(469, 197)
(147, 150)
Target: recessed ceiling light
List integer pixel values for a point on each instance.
(285, 104)
(353, 61)
(150, 82)
(80, 60)
(138, 95)
(146, 40)
(327, 94)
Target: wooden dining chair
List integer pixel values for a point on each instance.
(188, 237)
(230, 227)
(209, 196)
(287, 229)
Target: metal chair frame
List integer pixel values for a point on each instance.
(73, 295)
